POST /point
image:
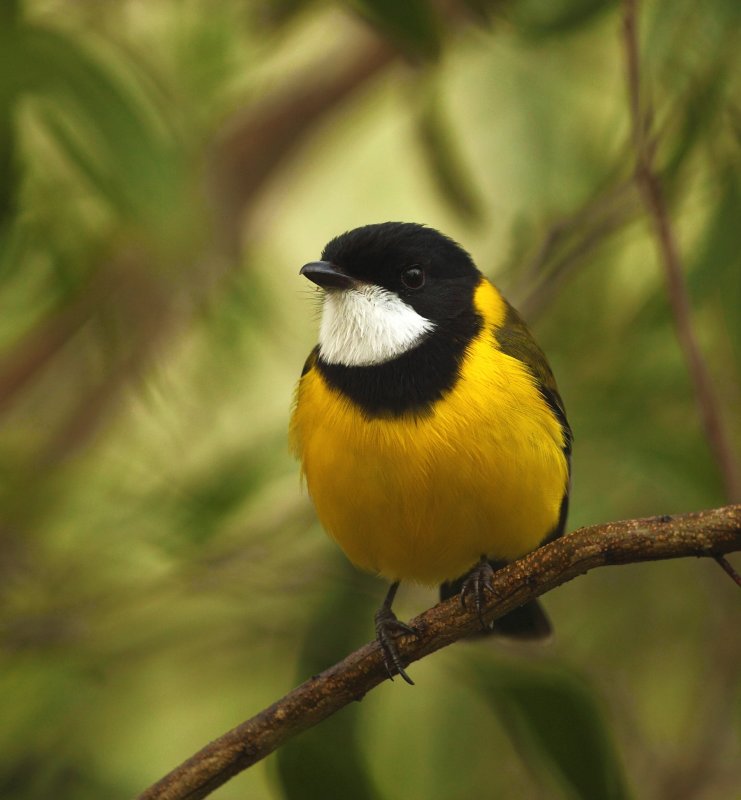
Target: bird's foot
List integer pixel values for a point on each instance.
(388, 628)
(477, 585)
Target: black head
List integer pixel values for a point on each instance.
(426, 269)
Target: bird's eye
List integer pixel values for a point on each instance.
(413, 278)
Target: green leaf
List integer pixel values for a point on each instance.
(327, 761)
(412, 24)
(108, 130)
(484, 12)
(555, 718)
(539, 19)
(97, 171)
(219, 491)
(715, 269)
(9, 13)
(445, 161)
(698, 111)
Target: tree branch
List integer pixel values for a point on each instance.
(710, 533)
(650, 187)
(257, 141)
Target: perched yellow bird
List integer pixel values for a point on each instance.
(431, 434)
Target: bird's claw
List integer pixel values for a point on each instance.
(476, 586)
(388, 628)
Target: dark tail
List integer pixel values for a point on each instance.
(528, 622)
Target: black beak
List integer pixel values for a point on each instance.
(327, 275)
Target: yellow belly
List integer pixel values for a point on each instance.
(422, 498)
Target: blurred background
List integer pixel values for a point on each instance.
(165, 169)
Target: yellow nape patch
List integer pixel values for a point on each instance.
(423, 497)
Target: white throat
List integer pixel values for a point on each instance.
(368, 325)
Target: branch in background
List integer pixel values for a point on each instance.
(245, 158)
(570, 241)
(257, 142)
(706, 533)
(40, 346)
(649, 185)
(122, 289)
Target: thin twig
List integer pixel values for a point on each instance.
(706, 533)
(603, 205)
(649, 185)
(728, 567)
(573, 257)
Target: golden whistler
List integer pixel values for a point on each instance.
(430, 430)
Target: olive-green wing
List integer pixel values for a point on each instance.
(514, 339)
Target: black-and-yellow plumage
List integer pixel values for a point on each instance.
(428, 424)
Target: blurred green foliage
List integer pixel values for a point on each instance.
(165, 168)
(553, 714)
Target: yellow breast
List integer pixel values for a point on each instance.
(423, 497)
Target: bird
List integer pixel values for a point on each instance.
(431, 434)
